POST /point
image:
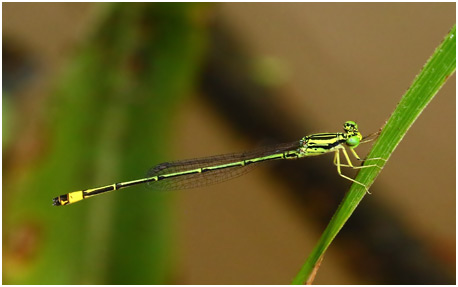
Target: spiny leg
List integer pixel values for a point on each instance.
(374, 158)
(336, 155)
(337, 160)
(349, 161)
(356, 155)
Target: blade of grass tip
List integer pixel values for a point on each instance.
(432, 77)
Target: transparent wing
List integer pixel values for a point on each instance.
(371, 137)
(212, 176)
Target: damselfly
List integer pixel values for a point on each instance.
(210, 170)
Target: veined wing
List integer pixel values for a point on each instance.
(215, 169)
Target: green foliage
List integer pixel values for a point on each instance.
(432, 77)
(108, 121)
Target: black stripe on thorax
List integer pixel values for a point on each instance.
(325, 140)
(324, 136)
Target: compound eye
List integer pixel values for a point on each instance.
(353, 141)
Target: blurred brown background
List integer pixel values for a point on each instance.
(262, 73)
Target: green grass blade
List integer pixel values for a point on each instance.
(425, 86)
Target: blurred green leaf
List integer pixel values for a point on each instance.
(108, 122)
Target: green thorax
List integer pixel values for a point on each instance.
(321, 143)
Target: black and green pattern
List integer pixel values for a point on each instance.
(215, 169)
